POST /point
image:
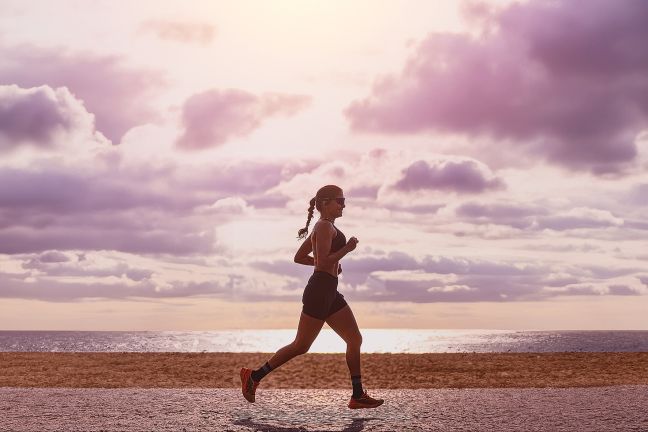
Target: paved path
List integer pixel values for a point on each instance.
(61, 409)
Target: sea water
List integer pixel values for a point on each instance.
(374, 341)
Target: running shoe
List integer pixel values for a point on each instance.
(365, 401)
(248, 385)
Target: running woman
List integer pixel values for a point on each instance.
(321, 299)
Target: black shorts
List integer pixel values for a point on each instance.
(321, 298)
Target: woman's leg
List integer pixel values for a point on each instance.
(344, 324)
(307, 331)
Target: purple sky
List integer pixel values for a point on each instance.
(157, 162)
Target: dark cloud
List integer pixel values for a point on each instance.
(535, 217)
(243, 177)
(136, 209)
(119, 97)
(608, 272)
(53, 257)
(367, 191)
(162, 239)
(636, 224)
(471, 287)
(514, 215)
(578, 290)
(497, 211)
(213, 117)
(40, 116)
(48, 267)
(457, 176)
(59, 190)
(567, 222)
(622, 290)
(603, 39)
(400, 277)
(382, 278)
(14, 286)
(638, 195)
(556, 80)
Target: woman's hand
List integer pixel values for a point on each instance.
(352, 243)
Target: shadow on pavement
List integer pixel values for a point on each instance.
(356, 425)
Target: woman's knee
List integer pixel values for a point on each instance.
(301, 347)
(354, 340)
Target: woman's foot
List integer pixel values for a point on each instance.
(364, 401)
(248, 385)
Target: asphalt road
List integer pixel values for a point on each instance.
(621, 408)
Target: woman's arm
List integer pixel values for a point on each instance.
(323, 237)
(302, 256)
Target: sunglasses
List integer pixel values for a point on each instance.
(340, 201)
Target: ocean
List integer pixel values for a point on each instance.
(374, 341)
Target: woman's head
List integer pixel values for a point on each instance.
(329, 201)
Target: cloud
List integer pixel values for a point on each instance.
(167, 238)
(381, 277)
(229, 205)
(17, 286)
(52, 257)
(269, 201)
(622, 290)
(103, 202)
(42, 117)
(96, 208)
(364, 191)
(638, 195)
(55, 263)
(636, 224)
(397, 276)
(536, 217)
(243, 176)
(118, 96)
(580, 218)
(426, 209)
(461, 176)
(211, 118)
(183, 32)
(497, 211)
(515, 215)
(62, 191)
(554, 80)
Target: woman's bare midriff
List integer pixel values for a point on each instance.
(332, 273)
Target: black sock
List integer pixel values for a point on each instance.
(264, 370)
(356, 382)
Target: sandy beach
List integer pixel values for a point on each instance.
(321, 371)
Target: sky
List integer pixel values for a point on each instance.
(157, 159)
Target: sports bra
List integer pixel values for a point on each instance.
(338, 242)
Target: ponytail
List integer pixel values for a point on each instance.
(302, 232)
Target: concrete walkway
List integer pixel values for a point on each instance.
(582, 409)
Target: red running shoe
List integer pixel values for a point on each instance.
(248, 385)
(365, 401)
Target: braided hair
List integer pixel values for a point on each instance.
(326, 192)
